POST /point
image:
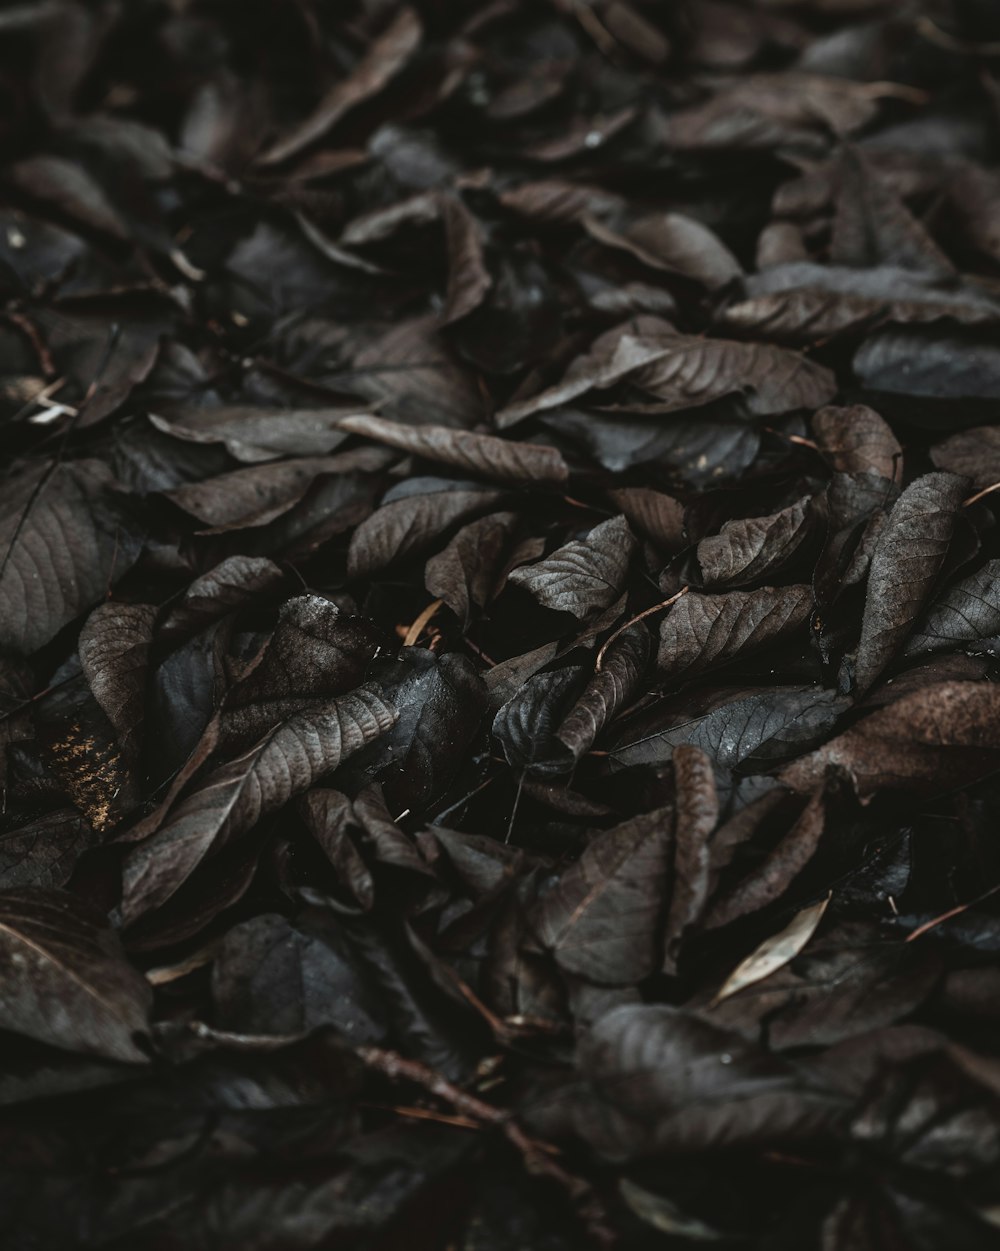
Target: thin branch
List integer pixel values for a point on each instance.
(417, 628)
(628, 624)
(980, 494)
(538, 1157)
(952, 912)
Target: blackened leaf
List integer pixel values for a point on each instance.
(748, 734)
(673, 242)
(661, 1080)
(64, 186)
(258, 494)
(603, 919)
(65, 538)
(469, 280)
(700, 448)
(802, 302)
(873, 226)
(409, 374)
(254, 434)
(467, 572)
(407, 526)
(612, 357)
(745, 551)
(608, 691)
(441, 701)
(697, 807)
(937, 738)
(768, 110)
(114, 653)
(233, 798)
(44, 852)
(975, 454)
(66, 980)
(704, 630)
(858, 440)
(906, 561)
(768, 880)
(383, 836)
(328, 816)
(482, 454)
(934, 366)
(658, 516)
(232, 584)
(315, 652)
(968, 611)
(685, 371)
(384, 59)
(270, 977)
(771, 379)
(186, 689)
(528, 721)
(585, 575)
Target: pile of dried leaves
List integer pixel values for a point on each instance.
(499, 604)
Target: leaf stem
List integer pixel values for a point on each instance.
(628, 624)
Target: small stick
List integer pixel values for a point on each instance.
(979, 494)
(628, 624)
(415, 630)
(537, 1156)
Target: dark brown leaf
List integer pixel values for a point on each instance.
(114, 653)
(384, 59)
(697, 813)
(66, 980)
(234, 797)
(750, 550)
(583, 576)
(65, 538)
(408, 526)
(604, 918)
(939, 737)
(908, 555)
(607, 692)
(704, 630)
(481, 454)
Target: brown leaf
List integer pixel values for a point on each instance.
(582, 576)
(704, 630)
(908, 555)
(697, 814)
(502, 460)
(384, 59)
(604, 917)
(938, 738)
(66, 979)
(233, 798)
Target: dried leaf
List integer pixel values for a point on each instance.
(775, 952)
(585, 575)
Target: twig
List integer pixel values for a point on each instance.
(934, 34)
(979, 494)
(952, 912)
(628, 624)
(537, 1156)
(415, 630)
(517, 804)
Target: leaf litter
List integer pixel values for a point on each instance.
(499, 625)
